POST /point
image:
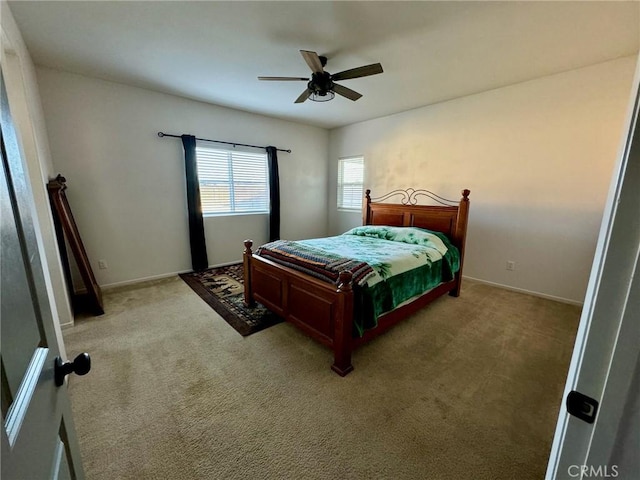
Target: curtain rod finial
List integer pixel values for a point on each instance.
(160, 134)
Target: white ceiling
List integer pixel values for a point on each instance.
(430, 51)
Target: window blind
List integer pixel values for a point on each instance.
(232, 181)
(350, 183)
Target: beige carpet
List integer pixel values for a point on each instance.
(469, 388)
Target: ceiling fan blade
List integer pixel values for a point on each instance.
(284, 79)
(303, 96)
(365, 71)
(346, 92)
(313, 60)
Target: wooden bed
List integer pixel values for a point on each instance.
(325, 311)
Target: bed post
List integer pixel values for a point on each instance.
(343, 326)
(366, 211)
(248, 294)
(461, 236)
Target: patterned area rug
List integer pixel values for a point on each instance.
(222, 288)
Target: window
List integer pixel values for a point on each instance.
(232, 181)
(350, 183)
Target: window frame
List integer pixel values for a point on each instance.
(231, 183)
(340, 184)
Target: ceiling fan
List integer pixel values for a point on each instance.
(322, 87)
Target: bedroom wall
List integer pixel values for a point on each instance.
(126, 186)
(537, 157)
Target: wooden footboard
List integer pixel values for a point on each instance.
(320, 309)
(325, 311)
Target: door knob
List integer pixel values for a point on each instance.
(80, 365)
(581, 406)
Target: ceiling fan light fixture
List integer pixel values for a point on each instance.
(321, 86)
(322, 96)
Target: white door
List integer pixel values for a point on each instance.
(605, 357)
(38, 438)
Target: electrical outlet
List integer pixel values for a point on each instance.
(511, 265)
(102, 264)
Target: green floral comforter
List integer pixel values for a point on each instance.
(406, 262)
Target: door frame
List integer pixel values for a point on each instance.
(26, 111)
(38, 420)
(606, 348)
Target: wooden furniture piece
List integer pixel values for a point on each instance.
(67, 232)
(325, 311)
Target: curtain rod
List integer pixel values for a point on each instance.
(160, 134)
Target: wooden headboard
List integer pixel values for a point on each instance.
(450, 217)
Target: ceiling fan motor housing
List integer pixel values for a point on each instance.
(320, 83)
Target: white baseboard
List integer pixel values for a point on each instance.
(225, 264)
(135, 281)
(109, 286)
(528, 292)
(125, 283)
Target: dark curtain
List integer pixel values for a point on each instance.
(274, 194)
(199, 259)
